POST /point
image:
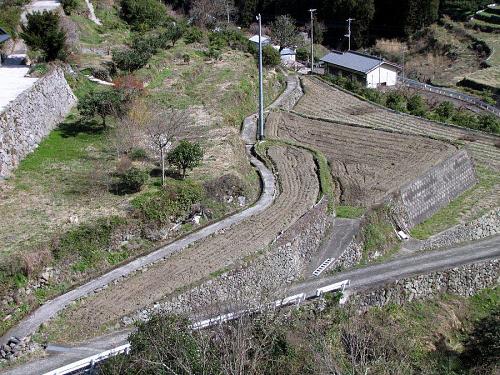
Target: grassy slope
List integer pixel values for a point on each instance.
(68, 175)
(462, 209)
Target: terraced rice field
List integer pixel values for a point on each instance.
(367, 163)
(324, 101)
(299, 189)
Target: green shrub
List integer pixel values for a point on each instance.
(373, 95)
(138, 154)
(417, 106)
(69, 6)
(87, 241)
(101, 103)
(42, 32)
(9, 18)
(270, 57)
(175, 31)
(396, 101)
(144, 14)
(130, 60)
(349, 212)
(445, 110)
(193, 35)
(186, 156)
(173, 201)
(489, 123)
(129, 182)
(466, 119)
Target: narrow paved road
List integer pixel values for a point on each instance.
(363, 278)
(422, 263)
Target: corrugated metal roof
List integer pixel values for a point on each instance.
(287, 51)
(3, 36)
(265, 39)
(354, 61)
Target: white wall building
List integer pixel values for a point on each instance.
(369, 70)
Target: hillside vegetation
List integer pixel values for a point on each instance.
(92, 193)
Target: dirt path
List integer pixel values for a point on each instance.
(367, 163)
(299, 189)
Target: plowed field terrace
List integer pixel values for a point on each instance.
(367, 163)
(298, 191)
(325, 101)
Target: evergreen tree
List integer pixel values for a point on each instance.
(42, 32)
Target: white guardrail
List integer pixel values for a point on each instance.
(295, 299)
(451, 94)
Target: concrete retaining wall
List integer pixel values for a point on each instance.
(424, 196)
(464, 281)
(263, 279)
(31, 116)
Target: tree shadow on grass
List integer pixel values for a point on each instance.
(72, 127)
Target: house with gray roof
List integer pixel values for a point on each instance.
(3, 38)
(369, 70)
(3, 35)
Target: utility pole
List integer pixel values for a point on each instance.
(348, 35)
(312, 39)
(261, 84)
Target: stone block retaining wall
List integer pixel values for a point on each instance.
(31, 116)
(437, 187)
(264, 279)
(464, 281)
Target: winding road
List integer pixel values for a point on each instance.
(363, 278)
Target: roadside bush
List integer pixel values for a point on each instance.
(396, 101)
(193, 35)
(489, 123)
(227, 185)
(466, 119)
(87, 241)
(69, 6)
(186, 156)
(130, 60)
(373, 95)
(168, 204)
(129, 182)
(416, 105)
(144, 14)
(270, 57)
(445, 110)
(42, 32)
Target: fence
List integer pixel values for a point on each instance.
(451, 94)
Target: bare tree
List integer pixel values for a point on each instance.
(164, 126)
(210, 13)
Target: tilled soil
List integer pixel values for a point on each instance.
(325, 101)
(367, 163)
(299, 188)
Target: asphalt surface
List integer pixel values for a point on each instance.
(360, 279)
(342, 233)
(421, 263)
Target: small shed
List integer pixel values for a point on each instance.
(265, 40)
(288, 54)
(369, 70)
